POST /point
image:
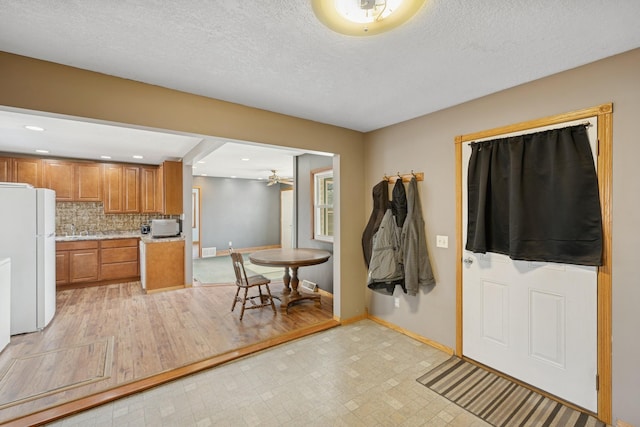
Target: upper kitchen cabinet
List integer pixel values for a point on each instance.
(131, 189)
(59, 176)
(73, 181)
(171, 178)
(150, 189)
(28, 170)
(121, 193)
(112, 183)
(6, 169)
(89, 182)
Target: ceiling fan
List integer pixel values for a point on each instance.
(276, 179)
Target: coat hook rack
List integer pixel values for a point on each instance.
(404, 177)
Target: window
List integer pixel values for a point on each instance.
(323, 205)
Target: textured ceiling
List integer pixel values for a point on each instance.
(277, 56)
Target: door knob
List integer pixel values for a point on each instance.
(467, 261)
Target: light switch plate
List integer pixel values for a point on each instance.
(442, 241)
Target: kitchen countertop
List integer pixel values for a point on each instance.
(146, 238)
(106, 235)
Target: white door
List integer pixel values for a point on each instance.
(286, 218)
(534, 321)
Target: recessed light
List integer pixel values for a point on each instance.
(105, 157)
(245, 159)
(35, 128)
(201, 161)
(42, 151)
(137, 156)
(233, 176)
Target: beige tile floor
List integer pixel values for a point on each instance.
(361, 374)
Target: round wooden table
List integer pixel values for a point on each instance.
(291, 258)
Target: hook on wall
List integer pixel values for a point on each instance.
(419, 176)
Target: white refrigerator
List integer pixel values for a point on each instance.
(27, 236)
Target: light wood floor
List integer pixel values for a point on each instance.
(152, 336)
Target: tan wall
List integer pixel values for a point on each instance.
(426, 145)
(44, 86)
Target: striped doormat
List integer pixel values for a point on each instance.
(499, 401)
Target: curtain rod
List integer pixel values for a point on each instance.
(585, 123)
(405, 177)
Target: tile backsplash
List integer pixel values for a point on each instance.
(89, 217)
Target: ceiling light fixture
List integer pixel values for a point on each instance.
(136, 156)
(365, 17)
(105, 157)
(42, 151)
(35, 128)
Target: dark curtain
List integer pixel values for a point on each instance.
(535, 197)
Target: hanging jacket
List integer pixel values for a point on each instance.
(380, 205)
(417, 267)
(385, 268)
(399, 202)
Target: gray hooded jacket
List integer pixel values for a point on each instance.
(417, 267)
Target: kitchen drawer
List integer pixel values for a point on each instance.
(113, 255)
(75, 245)
(119, 270)
(119, 243)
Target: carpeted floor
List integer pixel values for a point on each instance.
(499, 401)
(218, 269)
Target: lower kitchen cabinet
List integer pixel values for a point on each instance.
(96, 262)
(162, 265)
(77, 262)
(119, 259)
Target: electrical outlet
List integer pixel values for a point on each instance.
(396, 302)
(442, 241)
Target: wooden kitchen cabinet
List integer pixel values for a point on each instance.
(96, 262)
(59, 176)
(119, 259)
(62, 267)
(112, 182)
(88, 186)
(131, 189)
(27, 169)
(6, 169)
(73, 181)
(121, 188)
(162, 265)
(171, 178)
(150, 190)
(78, 262)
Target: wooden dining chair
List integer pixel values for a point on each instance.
(244, 283)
